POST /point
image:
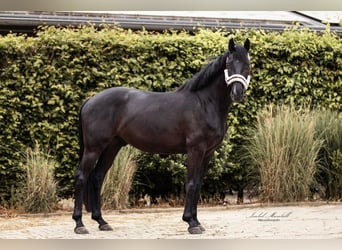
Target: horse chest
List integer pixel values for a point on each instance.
(216, 137)
(215, 127)
(208, 130)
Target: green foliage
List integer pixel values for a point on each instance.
(44, 80)
(329, 129)
(159, 175)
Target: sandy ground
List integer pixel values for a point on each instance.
(253, 222)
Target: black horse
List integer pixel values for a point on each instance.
(190, 120)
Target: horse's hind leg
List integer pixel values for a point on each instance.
(87, 164)
(97, 177)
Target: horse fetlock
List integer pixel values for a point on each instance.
(99, 219)
(187, 218)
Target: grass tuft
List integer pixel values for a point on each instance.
(284, 149)
(38, 192)
(118, 181)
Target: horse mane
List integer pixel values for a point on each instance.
(206, 75)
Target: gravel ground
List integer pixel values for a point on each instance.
(251, 222)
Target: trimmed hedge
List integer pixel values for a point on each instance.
(44, 80)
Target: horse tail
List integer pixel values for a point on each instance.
(87, 192)
(80, 132)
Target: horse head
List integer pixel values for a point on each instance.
(237, 72)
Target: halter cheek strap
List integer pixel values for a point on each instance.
(236, 78)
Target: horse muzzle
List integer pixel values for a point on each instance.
(237, 92)
(239, 85)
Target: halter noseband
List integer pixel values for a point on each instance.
(236, 78)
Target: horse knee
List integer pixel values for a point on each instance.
(98, 179)
(190, 187)
(79, 180)
(79, 183)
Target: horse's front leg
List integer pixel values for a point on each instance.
(203, 170)
(192, 188)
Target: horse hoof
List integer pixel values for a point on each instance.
(81, 230)
(195, 230)
(105, 227)
(202, 228)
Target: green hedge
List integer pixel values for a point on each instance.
(44, 80)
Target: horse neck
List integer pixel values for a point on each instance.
(219, 94)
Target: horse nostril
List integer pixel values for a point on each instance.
(237, 89)
(237, 92)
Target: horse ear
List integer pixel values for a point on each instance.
(231, 45)
(247, 44)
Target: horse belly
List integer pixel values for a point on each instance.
(154, 137)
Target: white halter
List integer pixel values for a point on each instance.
(236, 78)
